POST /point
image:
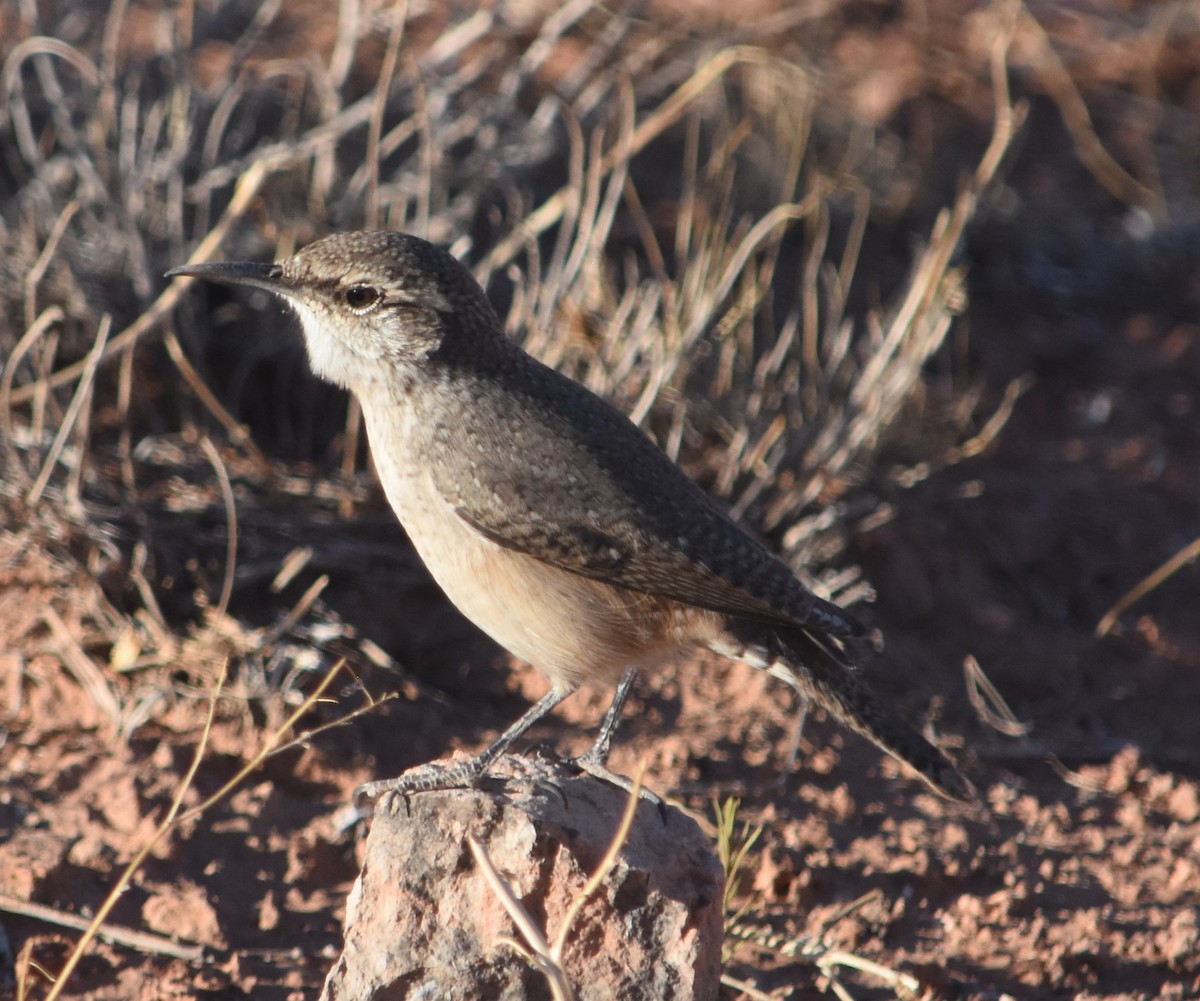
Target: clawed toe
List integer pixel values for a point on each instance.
(593, 765)
(422, 778)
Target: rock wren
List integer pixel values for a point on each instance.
(545, 515)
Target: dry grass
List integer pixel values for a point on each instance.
(722, 328)
(547, 957)
(128, 149)
(673, 221)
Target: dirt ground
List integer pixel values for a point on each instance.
(1076, 875)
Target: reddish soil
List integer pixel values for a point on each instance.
(1077, 875)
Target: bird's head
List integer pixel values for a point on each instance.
(375, 306)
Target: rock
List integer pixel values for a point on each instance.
(422, 922)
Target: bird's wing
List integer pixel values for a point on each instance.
(594, 497)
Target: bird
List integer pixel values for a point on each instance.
(546, 516)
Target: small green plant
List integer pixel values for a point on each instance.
(733, 848)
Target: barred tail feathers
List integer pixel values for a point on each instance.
(806, 664)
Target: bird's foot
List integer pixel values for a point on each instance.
(422, 778)
(593, 764)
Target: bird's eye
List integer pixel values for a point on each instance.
(361, 298)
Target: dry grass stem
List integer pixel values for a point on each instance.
(231, 532)
(547, 958)
(1057, 80)
(826, 959)
(747, 989)
(1147, 584)
(237, 433)
(538, 954)
(33, 335)
(78, 400)
(84, 670)
(130, 937)
(989, 704)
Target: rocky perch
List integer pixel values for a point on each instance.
(423, 920)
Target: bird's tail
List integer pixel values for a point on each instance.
(813, 669)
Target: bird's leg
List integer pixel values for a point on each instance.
(804, 703)
(595, 760)
(597, 755)
(424, 778)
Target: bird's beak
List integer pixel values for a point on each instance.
(264, 276)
